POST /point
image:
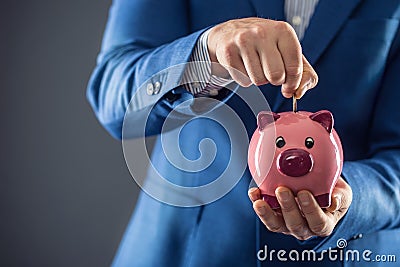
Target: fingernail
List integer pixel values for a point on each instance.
(304, 199)
(300, 93)
(261, 210)
(251, 190)
(283, 195)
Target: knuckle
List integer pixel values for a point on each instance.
(227, 52)
(297, 228)
(289, 207)
(276, 77)
(308, 212)
(294, 71)
(258, 30)
(242, 38)
(285, 27)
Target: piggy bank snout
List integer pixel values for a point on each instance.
(295, 162)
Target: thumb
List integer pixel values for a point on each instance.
(336, 202)
(309, 79)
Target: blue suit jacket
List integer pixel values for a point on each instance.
(354, 47)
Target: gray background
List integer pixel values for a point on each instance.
(65, 192)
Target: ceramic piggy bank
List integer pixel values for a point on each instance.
(306, 154)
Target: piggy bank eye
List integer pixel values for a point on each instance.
(280, 142)
(309, 142)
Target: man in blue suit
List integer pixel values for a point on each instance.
(353, 45)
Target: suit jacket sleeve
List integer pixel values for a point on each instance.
(375, 181)
(142, 38)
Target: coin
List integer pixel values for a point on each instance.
(294, 104)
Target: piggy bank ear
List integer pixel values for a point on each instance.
(325, 118)
(265, 118)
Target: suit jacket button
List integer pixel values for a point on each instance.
(157, 87)
(357, 236)
(150, 89)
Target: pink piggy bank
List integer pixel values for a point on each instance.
(305, 155)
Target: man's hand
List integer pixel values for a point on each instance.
(266, 51)
(302, 218)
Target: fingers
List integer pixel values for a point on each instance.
(341, 199)
(259, 51)
(254, 194)
(302, 217)
(323, 222)
(336, 202)
(343, 191)
(271, 219)
(253, 66)
(318, 221)
(291, 213)
(230, 58)
(272, 64)
(290, 49)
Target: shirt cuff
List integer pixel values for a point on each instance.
(197, 78)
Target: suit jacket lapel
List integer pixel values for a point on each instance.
(329, 16)
(272, 9)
